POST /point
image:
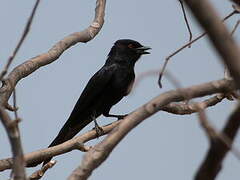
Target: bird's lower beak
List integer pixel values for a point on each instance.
(143, 50)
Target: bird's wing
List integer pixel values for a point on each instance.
(94, 88)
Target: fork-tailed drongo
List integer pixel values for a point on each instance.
(106, 88)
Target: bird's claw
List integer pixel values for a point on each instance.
(99, 131)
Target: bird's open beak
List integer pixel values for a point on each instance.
(143, 50)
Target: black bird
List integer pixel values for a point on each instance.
(106, 88)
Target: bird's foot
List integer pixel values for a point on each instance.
(98, 129)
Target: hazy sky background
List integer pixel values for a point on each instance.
(165, 146)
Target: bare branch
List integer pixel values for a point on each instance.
(229, 51)
(39, 173)
(16, 146)
(153, 106)
(53, 54)
(75, 143)
(25, 32)
(183, 109)
(29, 67)
(212, 163)
(235, 27)
(70, 145)
(184, 46)
(97, 154)
(15, 104)
(186, 21)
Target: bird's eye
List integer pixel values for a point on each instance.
(130, 45)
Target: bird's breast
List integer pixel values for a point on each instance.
(123, 82)
(129, 88)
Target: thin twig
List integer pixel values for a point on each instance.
(184, 109)
(183, 47)
(39, 173)
(24, 34)
(186, 21)
(15, 104)
(235, 27)
(153, 72)
(13, 133)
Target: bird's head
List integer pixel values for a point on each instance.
(128, 49)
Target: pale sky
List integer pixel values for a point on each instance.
(165, 146)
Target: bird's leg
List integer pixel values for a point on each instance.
(99, 130)
(119, 117)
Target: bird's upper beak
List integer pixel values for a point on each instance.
(143, 50)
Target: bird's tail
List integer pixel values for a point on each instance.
(68, 131)
(63, 135)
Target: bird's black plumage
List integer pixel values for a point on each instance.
(106, 88)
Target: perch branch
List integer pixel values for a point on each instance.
(97, 154)
(157, 104)
(73, 144)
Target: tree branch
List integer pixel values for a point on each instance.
(182, 108)
(217, 32)
(24, 35)
(13, 133)
(29, 67)
(186, 21)
(53, 54)
(97, 154)
(75, 143)
(235, 11)
(157, 104)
